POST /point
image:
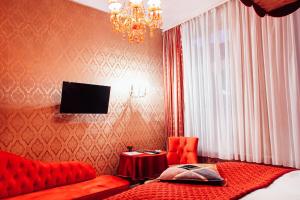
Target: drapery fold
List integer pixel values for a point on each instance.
(242, 85)
(173, 74)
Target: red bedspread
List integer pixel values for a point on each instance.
(242, 178)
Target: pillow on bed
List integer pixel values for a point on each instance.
(195, 173)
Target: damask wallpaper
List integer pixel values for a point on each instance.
(45, 42)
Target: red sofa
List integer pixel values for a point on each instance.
(22, 178)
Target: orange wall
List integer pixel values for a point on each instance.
(45, 42)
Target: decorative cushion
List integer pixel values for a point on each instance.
(196, 173)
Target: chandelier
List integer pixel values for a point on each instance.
(133, 19)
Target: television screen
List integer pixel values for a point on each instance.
(84, 98)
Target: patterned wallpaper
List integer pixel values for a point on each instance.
(45, 42)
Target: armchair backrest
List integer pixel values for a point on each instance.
(182, 150)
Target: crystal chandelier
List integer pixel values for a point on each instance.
(133, 19)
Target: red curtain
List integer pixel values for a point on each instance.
(173, 76)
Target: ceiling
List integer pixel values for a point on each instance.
(175, 12)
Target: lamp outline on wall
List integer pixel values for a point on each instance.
(138, 91)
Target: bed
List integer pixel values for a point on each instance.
(244, 181)
(285, 187)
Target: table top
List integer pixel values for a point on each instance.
(144, 154)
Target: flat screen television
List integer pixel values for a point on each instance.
(79, 98)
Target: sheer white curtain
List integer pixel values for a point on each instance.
(242, 86)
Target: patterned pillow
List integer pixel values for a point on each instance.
(195, 173)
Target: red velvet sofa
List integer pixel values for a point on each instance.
(22, 178)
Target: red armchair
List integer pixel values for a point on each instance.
(182, 150)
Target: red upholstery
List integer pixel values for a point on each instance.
(97, 188)
(19, 175)
(182, 150)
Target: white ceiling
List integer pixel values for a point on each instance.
(175, 12)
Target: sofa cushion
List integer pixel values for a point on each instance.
(21, 176)
(97, 188)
